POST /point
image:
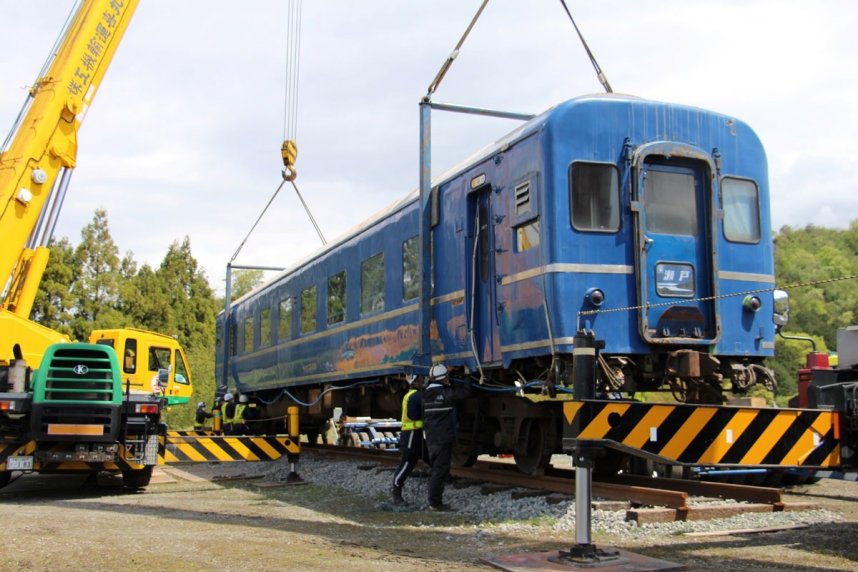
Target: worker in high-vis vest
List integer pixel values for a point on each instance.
(411, 447)
(239, 427)
(228, 413)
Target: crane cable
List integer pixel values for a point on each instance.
(289, 149)
(602, 78)
(290, 111)
(453, 55)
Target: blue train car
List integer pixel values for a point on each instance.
(644, 222)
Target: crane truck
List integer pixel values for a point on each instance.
(67, 406)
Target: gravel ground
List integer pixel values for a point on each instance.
(501, 509)
(342, 520)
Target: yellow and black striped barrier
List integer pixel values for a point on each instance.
(203, 446)
(708, 434)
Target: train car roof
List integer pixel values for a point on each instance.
(492, 148)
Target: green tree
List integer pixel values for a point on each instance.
(52, 307)
(243, 281)
(95, 287)
(188, 301)
(815, 265)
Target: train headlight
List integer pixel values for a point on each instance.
(595, 296)
(751, 303)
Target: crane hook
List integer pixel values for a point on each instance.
(289, 152)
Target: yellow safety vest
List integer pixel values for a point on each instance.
(409, 424)
(239, 411)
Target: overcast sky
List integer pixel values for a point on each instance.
(184, 135)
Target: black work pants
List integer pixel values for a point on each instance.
(439, 457)
(410, 451)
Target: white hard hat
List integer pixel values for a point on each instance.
(242, 398)
(438, 371)
(201, 404)
(227, 397)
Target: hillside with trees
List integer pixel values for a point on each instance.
(818, 267)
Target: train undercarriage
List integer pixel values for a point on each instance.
(519, 411)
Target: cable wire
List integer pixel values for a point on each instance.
(454, 54)
(293, 68)
(602, 79)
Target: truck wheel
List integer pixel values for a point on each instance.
(5, 477)
(137, 479)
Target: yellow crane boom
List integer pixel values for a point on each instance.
(44, 143)
(39, 156)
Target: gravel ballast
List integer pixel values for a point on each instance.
(501, 509)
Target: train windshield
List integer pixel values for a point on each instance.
(671, 203)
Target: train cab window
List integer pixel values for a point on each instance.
(670, 202)
(284, 323)
(410, 269)
(308, 310)
(248, 335)
(337, 298)
(129, 360)
(741, 200)
(594, 195)
(372, 284)
(265, 328)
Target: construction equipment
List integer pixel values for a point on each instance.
(71, 407)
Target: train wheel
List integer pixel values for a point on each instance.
(354, 440)
(537, 455)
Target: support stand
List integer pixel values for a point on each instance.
(583, 555)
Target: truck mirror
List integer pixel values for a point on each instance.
(781, 309)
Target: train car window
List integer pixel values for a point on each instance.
(670, 202)
(284, 325)
(129, 361)
(741, 200)
(410, 269)
(308, 310)
(594, 195)
(265, 328)
(372, 284)
(337, 298)
(248, 335)
(527, 236)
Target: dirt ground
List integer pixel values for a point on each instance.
(184, 521)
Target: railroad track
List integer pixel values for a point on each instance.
(647, 499)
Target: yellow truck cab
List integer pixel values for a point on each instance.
(149, 362)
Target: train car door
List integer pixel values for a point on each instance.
(482, 315)
(675, 257)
